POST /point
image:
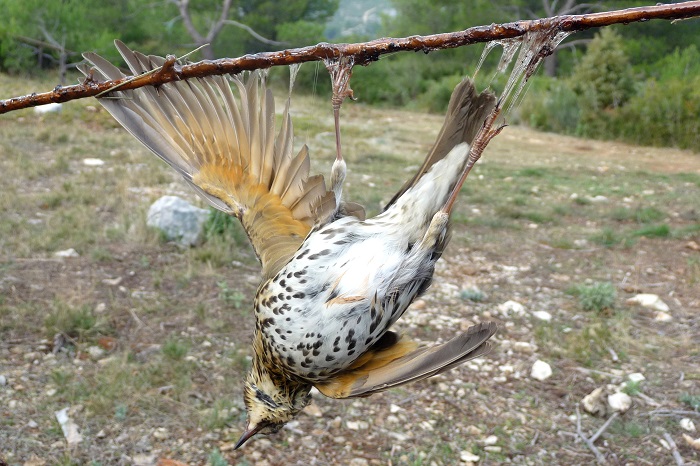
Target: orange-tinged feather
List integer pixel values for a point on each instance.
(341, 385)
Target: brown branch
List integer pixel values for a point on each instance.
(363, 53)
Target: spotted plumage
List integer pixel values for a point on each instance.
(334, 282)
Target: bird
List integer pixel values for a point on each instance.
(333, 281)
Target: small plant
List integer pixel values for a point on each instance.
(229, 296)
(120, 412)
(632, 388)
(175, 349)
(472, 294)
(691, 400)
(216, 459)
(75, 323)
(597, 297)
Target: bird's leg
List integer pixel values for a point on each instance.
(483, 137)
(435, 232)
(340, 71)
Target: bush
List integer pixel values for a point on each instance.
(597, 297)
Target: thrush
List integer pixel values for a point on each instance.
(333, 283)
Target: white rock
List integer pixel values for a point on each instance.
(93, 162)
(143, 459)
(69, 428)
(161, 433)
(51, 392)
(663, 317)
(468, 456)
(3, 380)
(523, 347)
(490, 440)
(542, 315)
(598, 199)
(66, 253)
(32, 424)
(53, 107)
(650, 301)
(636, 377)
(687, 424)
(393, 409)
(95, 352)
(619, 402)
(358, 462)
(692, 443)
(177, 219)
(594, 403)
(512, 307)
(541, 370)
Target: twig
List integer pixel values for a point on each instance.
(364, 53)
(674, 450)
(583, 370)
(604, 427)
(598, 455)
(672, 412)
(647, 399)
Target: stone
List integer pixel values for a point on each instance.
(692, 443)
(523, 347)
(95, 352)
(663, 317)
(161, 433)
(52, 107)
(512, 307)
(619, 402)
(636, 377)
(3, 380)
(69, 428)
(468, 456)
(93, 162)
(358, 462)
(650, 301)
(178, 219)
(687, 424)
(490, 440)
(542, 315)
(541, 370)
(66, 253)
(594, 403)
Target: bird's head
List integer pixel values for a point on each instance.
(270, 407)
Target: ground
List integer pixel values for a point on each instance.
(147, 343)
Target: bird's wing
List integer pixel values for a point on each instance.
(226, 150)
(404, 362)
(466, 113)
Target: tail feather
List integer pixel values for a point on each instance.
(466, 113)
(403, 363)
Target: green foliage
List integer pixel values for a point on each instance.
(217, 459)
(597, 297)
(604, 76)
(74, 322)
(229, 296)
(693, 401)
(175, 349)
(472, 294)
(632, 388)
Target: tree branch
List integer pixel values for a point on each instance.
(362, 53)
(252, 32)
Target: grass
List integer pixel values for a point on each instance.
(598, 297)
(183, 346)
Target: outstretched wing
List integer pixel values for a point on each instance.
(227, 151)
(404, 362)
(466, 113)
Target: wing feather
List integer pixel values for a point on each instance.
(227, 150)
(402, 363)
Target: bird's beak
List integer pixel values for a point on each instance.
(250, 431)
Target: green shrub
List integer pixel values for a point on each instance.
(597, 297)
